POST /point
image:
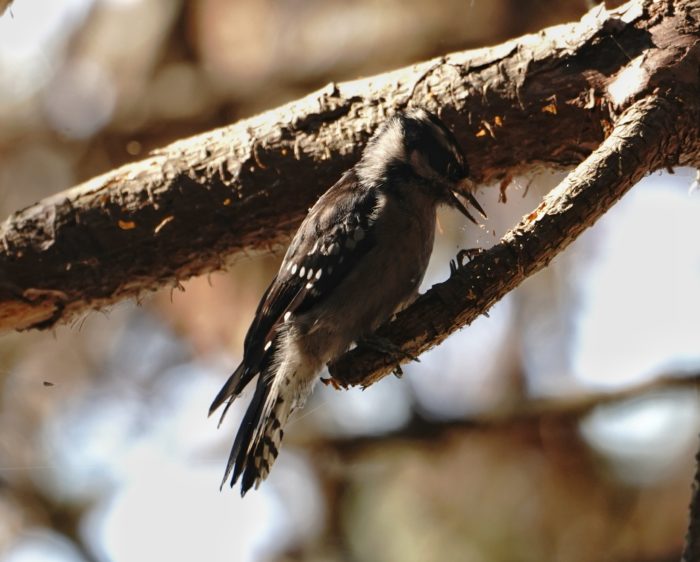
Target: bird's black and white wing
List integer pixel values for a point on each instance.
(336, 233)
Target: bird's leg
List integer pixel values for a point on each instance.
(383, 345)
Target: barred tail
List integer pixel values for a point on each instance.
(282, 386)
(259, 438)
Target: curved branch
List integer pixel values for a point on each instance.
(569, 410)
(198, 202)
(691, 549)
(641, 141)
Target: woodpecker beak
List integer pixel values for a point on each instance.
(457, 203)
(466, 193)
(475, 204)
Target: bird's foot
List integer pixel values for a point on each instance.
(463, 257)
(331, 381)
(383, 345)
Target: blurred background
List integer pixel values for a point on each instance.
(560, 427)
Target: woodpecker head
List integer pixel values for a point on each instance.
(417, 145)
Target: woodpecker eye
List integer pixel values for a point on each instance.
(453, 172)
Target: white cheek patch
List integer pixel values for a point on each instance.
(390, 144)
(386, 148)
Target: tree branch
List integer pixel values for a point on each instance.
(193, 205)
(565, 410)
(641, 141)
(691, 550)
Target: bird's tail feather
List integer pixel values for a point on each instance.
(259, 437)
(266, 441)
(230, 391)
(246, 431)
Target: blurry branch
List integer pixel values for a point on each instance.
(4, 4)
(691, 550)
(563, 411)
(194, 205)
(40, 509)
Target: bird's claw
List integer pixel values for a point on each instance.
(387, 347)
(463, 256)
(331, 381)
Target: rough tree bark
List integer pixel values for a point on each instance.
(193, 204)
(616, 93)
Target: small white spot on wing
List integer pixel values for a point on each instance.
(302, 271)
(293, 269)
(318, 273)
(267, 345)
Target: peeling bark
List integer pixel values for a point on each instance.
(640, 142)
(192, 206)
